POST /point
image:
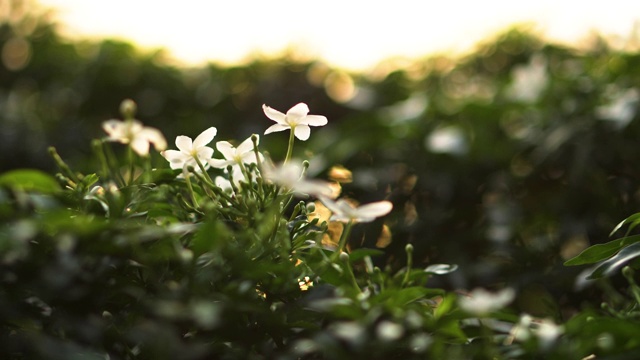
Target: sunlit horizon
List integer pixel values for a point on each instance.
(352, 35)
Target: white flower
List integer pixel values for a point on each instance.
(290, 176)
(345, 212)
(133, 133)
(622, 109)
(545, 330)
(190, 150)
(243, 154)
(448, 139)
(295, 119)
(529, 81)
(481, 302)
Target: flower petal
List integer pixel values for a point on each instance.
(205, 153)
(176, 158)
(274, 114)
(246, 146)
(298, 111)
(302, 132)
(172, 155)
(314, 120)
(276, 127)
(250, 158)
(184, 144)
(114, 128)
(227, 150)
(220, 163)
(205, 137)
(340, 208)
(315, 188)
(374, 210)
(140, 146)
(153, 136)
(223, 183)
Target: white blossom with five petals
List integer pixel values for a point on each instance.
(295, 119)
(344, 211)
(190, 150)
(133, 133)
(243, 154)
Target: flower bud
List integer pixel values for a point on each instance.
(128, 109)
(311, 207)
(408, 248)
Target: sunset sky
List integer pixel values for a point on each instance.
(353, 34)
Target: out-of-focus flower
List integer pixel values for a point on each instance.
(243, 154)
(445, 140)
(188, 151)
(529, 81)
(295, 119)
(622, 108)
(340, 174)
(344, 211)
(133, 133)
(545, 330)
(481, 302)
(290, 176)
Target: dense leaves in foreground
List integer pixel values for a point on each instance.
(135, 262)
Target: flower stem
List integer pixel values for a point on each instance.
(290, 147)
(344, 237)
(193, 195)
(409, 250)
(98, 151)
(204, 171)
(254, 139)
(146, 175)
(113, 164)
(344, 257)
(131, 165)
(64, 168)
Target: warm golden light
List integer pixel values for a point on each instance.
(353, 35)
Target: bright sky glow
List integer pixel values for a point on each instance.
(352, 34)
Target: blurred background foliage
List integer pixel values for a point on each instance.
(506, 161)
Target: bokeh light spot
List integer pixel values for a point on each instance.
(16, 54)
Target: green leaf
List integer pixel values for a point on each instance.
(29, 180)
(599, 252)
(634, 220)
(89, 180)
(402, 297)
(160, 176)
(360, 254)
(619, 260)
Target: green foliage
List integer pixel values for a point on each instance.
(612, 256)
(29, 180)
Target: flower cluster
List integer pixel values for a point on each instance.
(194, 155)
